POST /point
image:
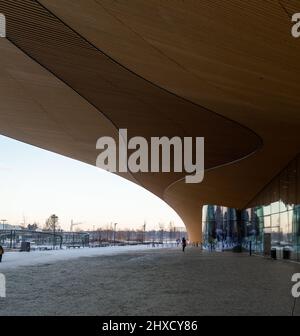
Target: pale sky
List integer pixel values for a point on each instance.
(35, 183)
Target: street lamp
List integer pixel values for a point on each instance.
(144, 232)
(115, 228)
(54, 219)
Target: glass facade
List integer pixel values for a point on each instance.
(219, 227)
(275, 210)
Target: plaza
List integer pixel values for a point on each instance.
(152, 282)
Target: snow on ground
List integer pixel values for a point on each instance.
(17, 259)
(149, 282)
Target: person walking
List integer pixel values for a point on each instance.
(183, 243)
(1, 253)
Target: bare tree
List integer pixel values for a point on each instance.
(52, 224)
(32, 227)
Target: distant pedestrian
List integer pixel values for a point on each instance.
(211, 244)
(183, 243)
(1, 253)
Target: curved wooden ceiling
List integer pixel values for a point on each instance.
(192, 68)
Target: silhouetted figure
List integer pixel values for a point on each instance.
(183, 243)
(1, 253)
(211, 244)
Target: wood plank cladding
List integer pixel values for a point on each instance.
(123, 97)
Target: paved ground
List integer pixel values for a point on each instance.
(153, 282)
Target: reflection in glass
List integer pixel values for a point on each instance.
(267, 210)
(275, 207)
(267, 221)
(275, 220)
(276, 210)
(296, 232)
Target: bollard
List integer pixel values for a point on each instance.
(273, 253)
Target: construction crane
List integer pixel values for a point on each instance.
(73, 224)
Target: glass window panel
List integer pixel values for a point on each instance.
(267, 195)
(283, 190)
(267, 221)
(296, 221)
(290, 227)
(255, 222)
(275, 220)
(248, 214)
(266, 198)
(259, 211)
(275, 207)
(274, 190)
(274, 195)
(292, 175)
(282, 206)
(267, 210)
(298, 181)
(284, 223)
(296, 232)
(276, 236)
(204, 212)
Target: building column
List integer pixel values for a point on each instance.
(194, 227)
